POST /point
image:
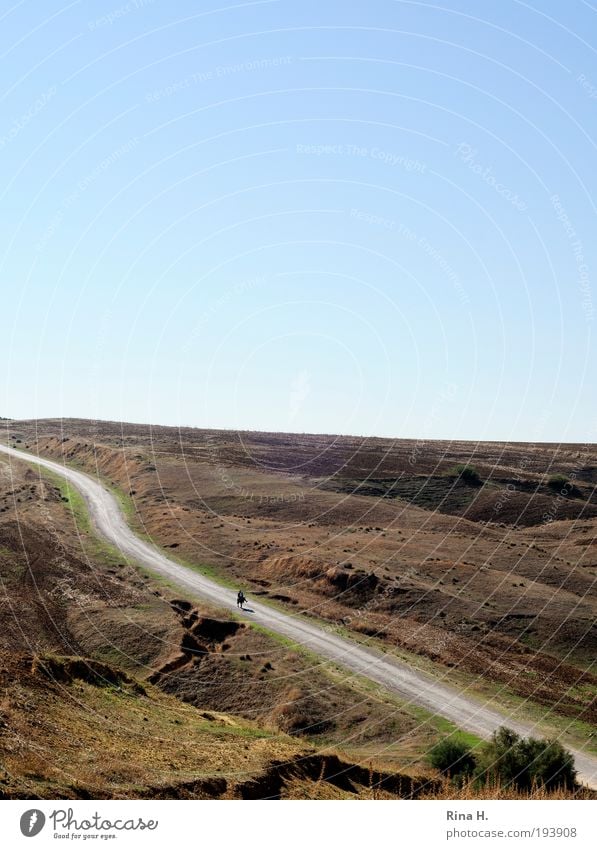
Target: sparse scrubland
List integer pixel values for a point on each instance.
(465, 559)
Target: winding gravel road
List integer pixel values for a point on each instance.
(395, 676)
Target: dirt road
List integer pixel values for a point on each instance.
(436, 697)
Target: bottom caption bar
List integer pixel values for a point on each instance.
(312, 823)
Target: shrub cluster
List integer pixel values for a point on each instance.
(558, 482)
(466, 473)
(508, 760)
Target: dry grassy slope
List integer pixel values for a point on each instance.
(513, 605)
(83, 638)
(321, 455)
(76, 729)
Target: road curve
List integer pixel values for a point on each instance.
(395, 676)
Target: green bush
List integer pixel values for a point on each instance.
(558, 482)
(453, 758)
(509, 759)
(466, 473)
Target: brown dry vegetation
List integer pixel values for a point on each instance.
(493, 584)
(112, 687)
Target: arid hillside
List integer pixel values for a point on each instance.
(112, 686)
(474, 561)
(477, 558)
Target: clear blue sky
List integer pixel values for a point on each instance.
(368, 218)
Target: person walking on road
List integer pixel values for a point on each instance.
(240, 599)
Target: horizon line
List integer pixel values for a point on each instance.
(296, 433)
